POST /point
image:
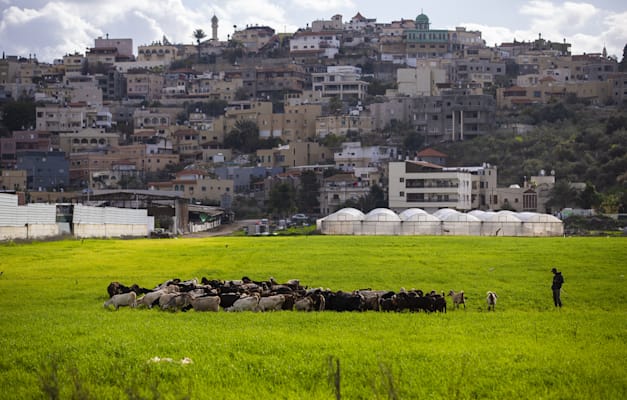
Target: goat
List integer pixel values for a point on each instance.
(458, 298)
(491, 299)
(124, 299)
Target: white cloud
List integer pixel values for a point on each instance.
(324, 5)
(568, 18)
(52, 28)
(49, 32)
(584, 26)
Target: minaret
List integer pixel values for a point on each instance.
(214, 28)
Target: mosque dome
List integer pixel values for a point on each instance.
(422, 19)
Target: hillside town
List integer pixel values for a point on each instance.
(342, 112)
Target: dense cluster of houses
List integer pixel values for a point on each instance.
(111, 117)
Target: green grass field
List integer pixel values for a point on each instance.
(58, 341)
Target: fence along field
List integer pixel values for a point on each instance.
(59, 342)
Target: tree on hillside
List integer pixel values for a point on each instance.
(18, 115)
(282, 201)
(244, 137)
(199, 35)
(589, 197)
(309, 192)
(562, 195)
(335, 105)
(368, 202)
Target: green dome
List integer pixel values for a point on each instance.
(422, 19)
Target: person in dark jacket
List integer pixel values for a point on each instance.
(558, 281)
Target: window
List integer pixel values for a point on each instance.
(402, 194)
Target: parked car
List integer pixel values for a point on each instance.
(300, 218)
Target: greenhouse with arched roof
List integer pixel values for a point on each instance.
(381, 221)
(416, 221)
(346, 221)
(446, 221)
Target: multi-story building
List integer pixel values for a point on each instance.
(336, 190)
(13, 179)
(164, 53)
(57, 119)
(73, 62)
(342, 125)
(87, 140)
(144, 85)
(420, 184)
(243, 177)
(293, 154)
(618, 83)
(197, 186)
(334, 24)
(83, 89)
(24, 141)
(341, 81)
(454, 115)
(352, 155)
(422, 80)
(214, 87)
(112, 83)
(123, 47)
(187, 143)
(548, 89)
(154, 117)
(476, 70)
(424, 42)
(279, 79)
(296, 123)
(46, 170)
(321, 44)
(253, 38)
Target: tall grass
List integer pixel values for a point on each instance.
(59, 342)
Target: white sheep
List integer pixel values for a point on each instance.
(206, 303)
(124, 299)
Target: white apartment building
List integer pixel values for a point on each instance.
(419, 184)
(326, 43)
(342, 81)
(353, 155)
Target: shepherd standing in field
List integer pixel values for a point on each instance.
(558, 280)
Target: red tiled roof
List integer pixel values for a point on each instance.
(190, 172)
(429, 152)
(358, 17)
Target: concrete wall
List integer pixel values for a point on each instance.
(109, 230)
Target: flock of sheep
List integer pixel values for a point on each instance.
(248, 295)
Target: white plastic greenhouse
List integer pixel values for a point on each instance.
(381, 221)
(534, 224)
(415, 221)
(346, 221)
(455, 223)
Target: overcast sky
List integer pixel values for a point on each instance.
(53, 28)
